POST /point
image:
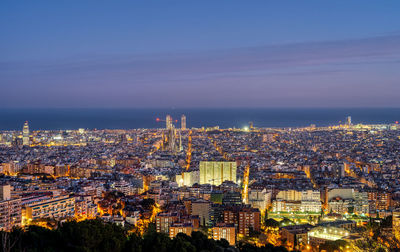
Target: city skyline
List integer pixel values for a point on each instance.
(225, 54)
(190, 126)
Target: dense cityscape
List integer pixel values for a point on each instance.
(305, 189)
(199, 126)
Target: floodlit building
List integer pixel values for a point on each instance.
(216, 172)
(188, 178)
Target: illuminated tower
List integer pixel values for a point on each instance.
(171, 141)
(183, 122)
(168, 122)
(348, 120)
(251, 125)
(25, 134)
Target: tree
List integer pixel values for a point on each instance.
(95, 235)
(159, 242)
(133, 244)
(182, 243)
(271, 223)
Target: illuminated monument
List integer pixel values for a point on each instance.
(25, 134)
(169, 137)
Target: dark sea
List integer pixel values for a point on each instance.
(53, 119)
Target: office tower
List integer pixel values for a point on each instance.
(168, 122)
(348, 120)
(25, 134)
(216, 172)
(183, 122)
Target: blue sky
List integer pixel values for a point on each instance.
(199, 53)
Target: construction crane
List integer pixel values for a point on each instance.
(212, 180)
(162, 120)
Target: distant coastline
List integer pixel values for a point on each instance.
(125, 118)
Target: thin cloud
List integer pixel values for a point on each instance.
(257, 68)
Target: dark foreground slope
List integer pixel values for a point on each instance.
(94, 235)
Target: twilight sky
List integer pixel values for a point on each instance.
(223, 53)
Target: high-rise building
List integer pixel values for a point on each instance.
(25, 134)
(348, 120)
(183, 122)
(216, 172)
(168, 122)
